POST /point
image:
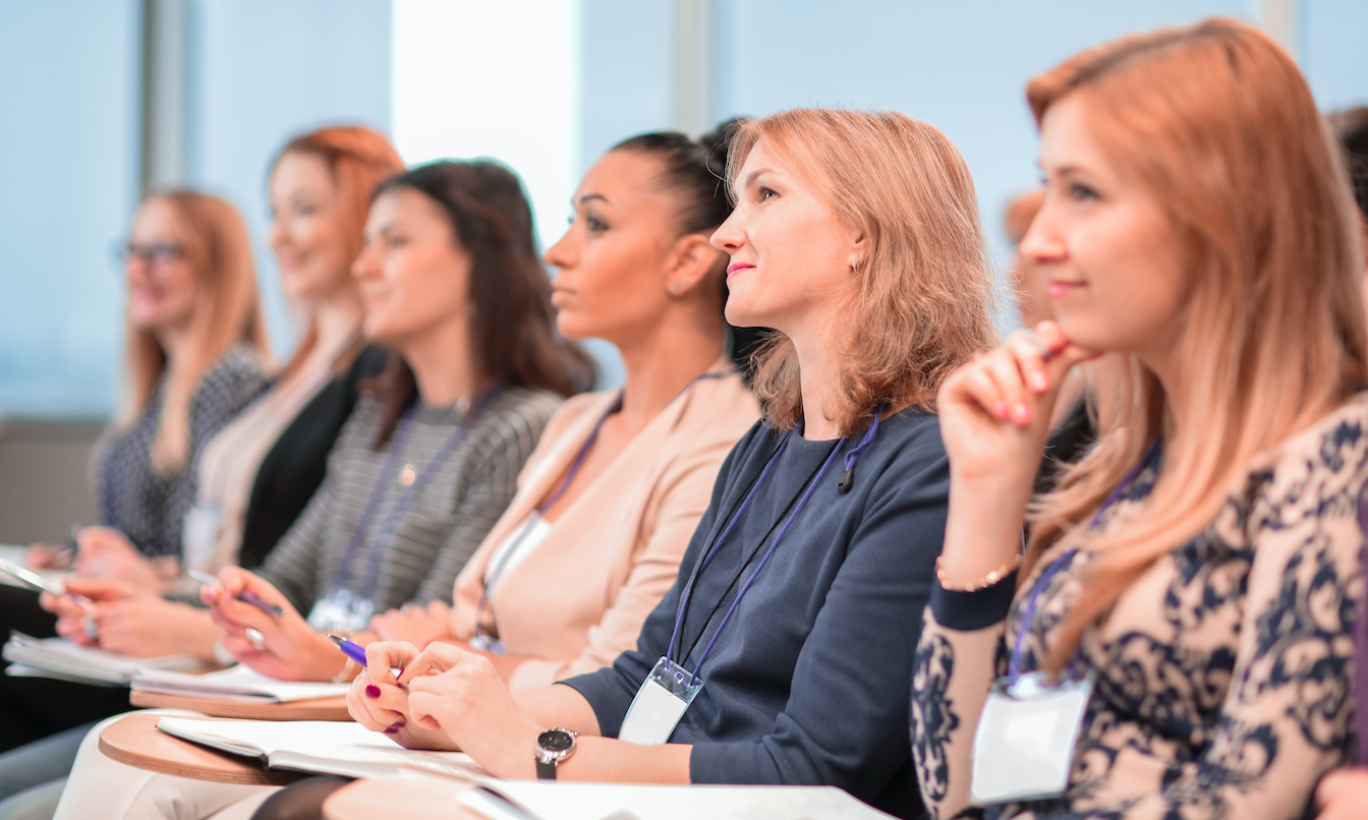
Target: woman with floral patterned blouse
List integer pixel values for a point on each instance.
(1195, 576)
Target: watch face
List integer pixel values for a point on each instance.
(555, 741)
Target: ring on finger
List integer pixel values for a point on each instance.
(92, 629)
(255, 638)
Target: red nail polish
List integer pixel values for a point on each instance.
(391, 731)
(398, 724)
(372, 691)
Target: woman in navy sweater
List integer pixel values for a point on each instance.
(792, 626)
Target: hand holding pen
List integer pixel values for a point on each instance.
(246, 595)
(281, 646)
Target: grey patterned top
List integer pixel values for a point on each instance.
(421, 549)
(150, 508)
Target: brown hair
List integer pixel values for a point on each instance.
(359, 159)
(1351, 126)
(512, 325)
(922, 307)
(226, 311)
(1217, 122)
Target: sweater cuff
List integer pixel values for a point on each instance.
(971, 611)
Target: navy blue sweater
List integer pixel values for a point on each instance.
(808, 682)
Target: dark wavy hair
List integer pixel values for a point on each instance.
(512, 326)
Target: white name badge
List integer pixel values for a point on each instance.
(659, 704)
(1024, 744)
(340, 611)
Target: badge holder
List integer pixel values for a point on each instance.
(659, 704)
(1024, 744)
(340, 611)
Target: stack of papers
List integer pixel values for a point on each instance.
(240, 684)
(61, 659)
(348, 749)
(548, 800)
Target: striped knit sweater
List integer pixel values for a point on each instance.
(416, 555)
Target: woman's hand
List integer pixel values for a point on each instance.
(994, 419)
(995, 411)
(47, 556)
(106, 553)
(1342, 794)
(78, 611)
(288, 648)
(461, 694)
(148, 627)
(417, 625)
(379, 702)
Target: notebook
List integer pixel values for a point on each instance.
(548, 800)
(239, 684)
(329, 747)
(61, 659)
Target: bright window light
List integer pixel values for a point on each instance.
(481, 79)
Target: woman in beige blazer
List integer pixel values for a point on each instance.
(609, 500)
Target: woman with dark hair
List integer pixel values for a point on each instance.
(429, 459)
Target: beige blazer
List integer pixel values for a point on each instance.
(579, 598)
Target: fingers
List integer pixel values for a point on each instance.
(377, 706)
(99, 589)
(435, 659)
(425, 706)
(383, 656)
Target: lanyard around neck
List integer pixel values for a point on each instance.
(810, 486)
(361, 531)
(1062, 561)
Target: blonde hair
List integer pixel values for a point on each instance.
(922, 307)
(1217, 122)
(359, 159)
(226, 311)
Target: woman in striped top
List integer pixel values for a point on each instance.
(429, 459)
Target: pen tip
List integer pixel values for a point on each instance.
(337, 640)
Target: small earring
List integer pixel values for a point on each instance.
(855, 265)
(674, 289)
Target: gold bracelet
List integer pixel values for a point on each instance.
(988, 580)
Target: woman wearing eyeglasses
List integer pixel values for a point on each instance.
(194, 357)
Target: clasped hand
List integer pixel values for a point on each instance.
(444, 698)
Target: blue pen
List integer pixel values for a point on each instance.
(246, 596)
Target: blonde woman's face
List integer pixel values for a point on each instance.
(1114, 272)
(161, 287)
(791, 255)
(413, 272)
(307, 232)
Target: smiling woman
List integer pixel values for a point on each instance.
(1181, 624)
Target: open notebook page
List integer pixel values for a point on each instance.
(238, 683)
(321, 746)
(546, 800)
(67, 660)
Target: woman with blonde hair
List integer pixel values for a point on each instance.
(1176, 640)
(790, 628)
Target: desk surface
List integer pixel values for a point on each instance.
(409, 799)
(135, 741)
(334, 708)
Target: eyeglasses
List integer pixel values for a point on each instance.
(155, 255)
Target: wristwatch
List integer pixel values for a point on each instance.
(553, 746)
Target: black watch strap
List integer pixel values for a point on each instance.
(545, 771)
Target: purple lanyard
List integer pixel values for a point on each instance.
(851, 458)
(1060, 563)
(406, 501)
(492, 578)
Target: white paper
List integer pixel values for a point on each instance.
(322, 746)
(554, 800)
(238, 683)
(15, 555)
(66, 660)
